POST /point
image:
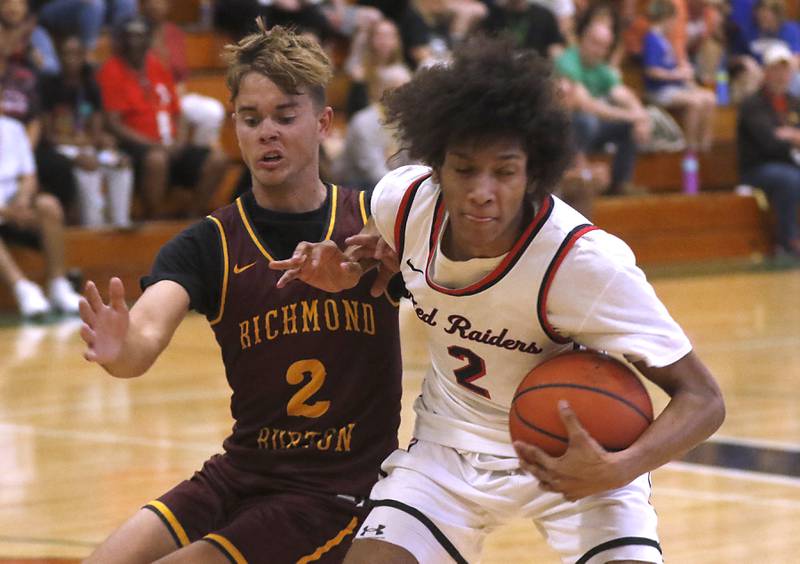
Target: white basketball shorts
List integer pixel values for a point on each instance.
(439, 504)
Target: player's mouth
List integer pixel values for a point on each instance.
(270, 160)
(481, 219)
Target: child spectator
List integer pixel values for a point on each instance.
(144, 114)
(669, 82)
(31, 44)
(32, 218)
(74, 126)
(203, 114)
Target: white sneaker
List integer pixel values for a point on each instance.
(63, 297)
(30, 299)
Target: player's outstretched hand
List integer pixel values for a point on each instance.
(586, 468)
(322, 265)
(104, 326)
(368, 246)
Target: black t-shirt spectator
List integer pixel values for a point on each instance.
(68, 105)
(533, 28)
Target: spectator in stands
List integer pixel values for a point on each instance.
(32, 218)
(31, 43)
(415, 33)
(584, 180)
(705, 40)
(767, 27)
(322, 18)
(564, 12)
(20, 100)
(372, 49)
(608, 111)
(669, 82)
(143, 113)
(371, 149)
(203, 114)
(768, 132)
(84, 18)
(447, 23)
(74, 125)
(530, 25)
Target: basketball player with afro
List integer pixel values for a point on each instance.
(485, 251)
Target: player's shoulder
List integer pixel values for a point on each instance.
(14, 126)
(401, 178)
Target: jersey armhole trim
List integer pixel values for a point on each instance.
(440, 537)
(362, 205)
(334, 205)
(403, 211)
(225, 267)
(170, 521)
(541, 307)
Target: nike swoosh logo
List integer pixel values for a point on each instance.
(239, 270)
(412, 267)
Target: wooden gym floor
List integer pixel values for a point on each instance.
(80, 451)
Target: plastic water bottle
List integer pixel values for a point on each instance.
(723, 92)
(691, 174)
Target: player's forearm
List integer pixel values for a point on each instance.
(694, 413)
(139, 351)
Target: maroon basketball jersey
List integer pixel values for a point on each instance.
(315, 376)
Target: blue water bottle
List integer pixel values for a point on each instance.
(723, 92)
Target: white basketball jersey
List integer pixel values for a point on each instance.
(484, 337)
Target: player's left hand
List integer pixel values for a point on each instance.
(322, 265)
(372, 247)
(585, 469)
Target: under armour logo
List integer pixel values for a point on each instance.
(376, 531)
(412, 267)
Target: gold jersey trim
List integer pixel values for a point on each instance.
(177, 528)
(225, 268)
(335, 541)
(227, 545)
(362, 196)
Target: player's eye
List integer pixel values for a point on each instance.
(286, 120)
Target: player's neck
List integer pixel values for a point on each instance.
(291, 198)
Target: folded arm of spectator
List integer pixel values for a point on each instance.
(125, 133)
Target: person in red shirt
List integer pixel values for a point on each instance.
(143, 109)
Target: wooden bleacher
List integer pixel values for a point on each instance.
(662, 228)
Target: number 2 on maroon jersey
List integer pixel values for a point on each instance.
(475, 368)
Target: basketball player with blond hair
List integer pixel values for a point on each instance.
(315, 377)
(502, 275)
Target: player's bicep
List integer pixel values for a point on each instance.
(688, 374)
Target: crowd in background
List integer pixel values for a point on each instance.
(636, 75)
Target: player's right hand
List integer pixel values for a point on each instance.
(322, 265)
(104, 325)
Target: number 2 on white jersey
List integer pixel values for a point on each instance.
(474, 369)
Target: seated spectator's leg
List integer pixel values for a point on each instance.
(54, 172)
(709, 115)
(84, 16)
(199, 168)
(585, 128)
(90, 196)
(205, 114)
(781, 182)
(620, 133)
(120, 191)
(154, 181)
(50, 224)
(10, 272)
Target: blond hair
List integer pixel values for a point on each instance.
(288, 59)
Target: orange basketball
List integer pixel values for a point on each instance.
(609, 399)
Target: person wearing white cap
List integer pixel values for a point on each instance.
(768, 132)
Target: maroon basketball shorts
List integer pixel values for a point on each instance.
(250, 519)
